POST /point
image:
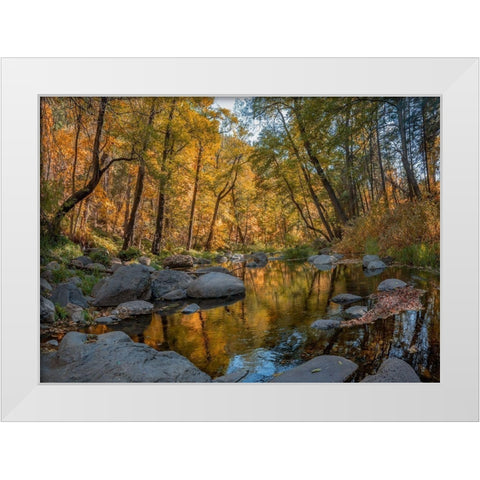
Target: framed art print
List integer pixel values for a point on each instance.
(240, 239)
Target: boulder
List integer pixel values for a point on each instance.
(115, 266)
(178, 261)
(192, 308)
(346, 298)
(114, 357)
(129, 282)
(45, 287)
(201, 261)
(144, 260)
(53, 343)
(178, 294)
(47, 310)
(326, 323)
(322, 369)
(390, 284)
(237, 257)
(212, 269)
(75, 313)
(214, 285)
(166, 281)
(356, 312)
(221, 259)
(96, 267)
(82, 261)
(369, 258)
(107, 320)
(96, 288)
(376, 265)
(68, 292)
(233, 377)
(53, 266)
(252, 264)
(321, 259)
(132, 308)
(260, 259)
(393, 370)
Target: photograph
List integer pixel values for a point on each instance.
(239, 239)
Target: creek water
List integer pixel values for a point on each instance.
(268, 331)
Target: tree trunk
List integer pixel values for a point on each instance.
(79, 195)
(194, 197)
(167, 150)
(75, 160)
(413, 190)
(380, 163)
(342, 217)
(130, 228)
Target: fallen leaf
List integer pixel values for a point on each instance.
(315, 370)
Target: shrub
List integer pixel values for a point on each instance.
(61, 274)
(100, 256)
(88, 282)
(410, 233)
(300, 252)
(60, 312)
(129, 254)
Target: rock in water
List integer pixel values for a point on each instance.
(114, 357)
(393, 370)
(260, 259)
(369, 258)
(68, 292)
(322, 259)
(356, 311)
(391, 284)
(47, 310)
(129, 282)
(326, 323)
(178, 294)
(322, 369)
(192, 308)
(166, 281)
(346, 298)
(135, 307)
(376, 265)
(214, 285)
(178, 261)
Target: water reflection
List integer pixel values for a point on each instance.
(268, 331)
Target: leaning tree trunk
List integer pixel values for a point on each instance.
(84, 192)
(339, 211)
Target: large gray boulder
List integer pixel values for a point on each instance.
(68, 292)
(114, 357)
(214, 285)
(132, 308)
(390, 284)
(82, 261)
(369, 258)
(346, 298)
(166, 281)
(178, 261)
(47, 310)
(130, 282)
(393, 370)
(322, 369)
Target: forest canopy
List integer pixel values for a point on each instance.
(183, 173)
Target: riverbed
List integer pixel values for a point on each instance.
(269, 330)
